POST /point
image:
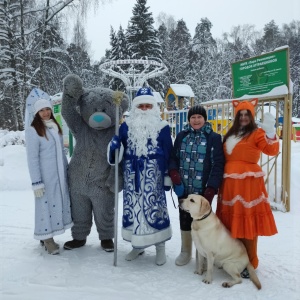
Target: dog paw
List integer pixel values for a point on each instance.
(199, 272)
(207, 281)
(227, 284)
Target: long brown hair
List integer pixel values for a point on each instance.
(236, 128)
(39, 126)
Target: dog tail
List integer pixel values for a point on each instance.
(253, 276)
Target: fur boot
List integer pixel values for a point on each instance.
(51, 246)
(133, 254)
(186, 249)
(160, 254)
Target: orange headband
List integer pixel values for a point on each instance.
(241, 105)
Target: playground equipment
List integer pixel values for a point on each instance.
(179, 96)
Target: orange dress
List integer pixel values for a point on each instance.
(243, 204)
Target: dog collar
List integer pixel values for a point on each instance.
(205, 216)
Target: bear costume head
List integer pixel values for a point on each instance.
(97, 106)
(90, 114)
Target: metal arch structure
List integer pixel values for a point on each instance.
(135, 74)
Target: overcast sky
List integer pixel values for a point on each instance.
(223, 14)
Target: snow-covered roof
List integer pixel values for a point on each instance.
(296, 120)
(182, 90)
(56, 99)
(277, 91)
(158, 97)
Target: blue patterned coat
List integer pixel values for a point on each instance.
(145, 215)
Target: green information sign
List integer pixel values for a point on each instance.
(260, 74)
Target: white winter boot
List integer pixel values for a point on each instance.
(51, 246)
(134, 253)
(186, 249)
(160, 254)
(42, 244)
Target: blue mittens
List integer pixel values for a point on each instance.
(179, 189)
(115, 144)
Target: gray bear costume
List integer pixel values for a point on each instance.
(90, 116)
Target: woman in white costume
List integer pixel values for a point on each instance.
(47, 165)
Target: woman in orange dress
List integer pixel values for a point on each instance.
(243, 204)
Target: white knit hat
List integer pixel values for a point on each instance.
(144, 96)
(40, 104)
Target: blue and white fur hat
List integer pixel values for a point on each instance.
(144, 96)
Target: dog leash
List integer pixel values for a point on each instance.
(173, 199)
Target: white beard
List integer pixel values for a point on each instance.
(143, 125)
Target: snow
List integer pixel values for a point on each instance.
(279, 91)
(158, 97)
(182, 90)
(29, 273)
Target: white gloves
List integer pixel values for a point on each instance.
(268, 125)
(39, 192)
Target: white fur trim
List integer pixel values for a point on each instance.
(146, 240)
(164, 123)
(231, 143)
(38, 186)
(144, 99)
(167, 181)
(244, 175)
(246, 204)
(121, 153)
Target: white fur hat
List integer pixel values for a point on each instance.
(144, 96)
(40, 104)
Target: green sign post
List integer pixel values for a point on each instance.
(260, 74)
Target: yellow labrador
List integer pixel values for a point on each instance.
(214, 242)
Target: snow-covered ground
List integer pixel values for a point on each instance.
(29, 273)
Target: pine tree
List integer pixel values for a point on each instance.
(178, 58)
(270, 40)
(119, 49)
(201, 70)
(203, 41)
(291, 37)
(143, 42)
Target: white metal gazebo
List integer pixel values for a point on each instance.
(133, 72)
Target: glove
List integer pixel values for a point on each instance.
(268, 125)
(39, 193)
(114, 144)
(178, 189)
(167, 183)
(209, 194)
(175, 176)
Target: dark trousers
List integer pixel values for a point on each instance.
(185, 220)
